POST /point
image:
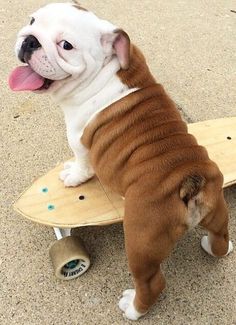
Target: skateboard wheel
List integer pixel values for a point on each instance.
(69, 258)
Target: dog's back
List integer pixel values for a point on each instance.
(142, 139)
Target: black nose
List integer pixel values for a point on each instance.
(29, 45)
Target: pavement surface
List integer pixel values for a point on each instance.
(190, 46)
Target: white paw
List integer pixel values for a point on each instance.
(73, 174)
(126, 304)
(207, 248)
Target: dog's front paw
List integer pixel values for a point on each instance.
(74, 175)
(126, 304)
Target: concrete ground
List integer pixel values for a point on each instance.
(190, 46)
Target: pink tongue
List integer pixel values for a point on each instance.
(24, 78)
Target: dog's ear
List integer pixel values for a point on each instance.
(118, 42)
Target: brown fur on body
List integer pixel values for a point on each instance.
(140, 147)
(143, 136)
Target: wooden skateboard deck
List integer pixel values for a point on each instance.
(48, 202)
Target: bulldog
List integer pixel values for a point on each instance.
(123, 127)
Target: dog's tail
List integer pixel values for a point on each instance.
(190, 187)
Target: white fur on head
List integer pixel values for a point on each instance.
(95, 42)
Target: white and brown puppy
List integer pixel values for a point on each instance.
(122, 126)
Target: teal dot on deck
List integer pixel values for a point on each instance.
(51, 207)
(44, 190)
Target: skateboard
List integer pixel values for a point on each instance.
(48, 202)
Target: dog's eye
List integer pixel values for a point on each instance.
(32, 21)
(65, 45)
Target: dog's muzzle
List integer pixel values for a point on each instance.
(41, 70)
(29, 45)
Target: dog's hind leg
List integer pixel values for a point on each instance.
(149, 239)
(136, 302)
(217, 242)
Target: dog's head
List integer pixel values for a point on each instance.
(64, 42)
